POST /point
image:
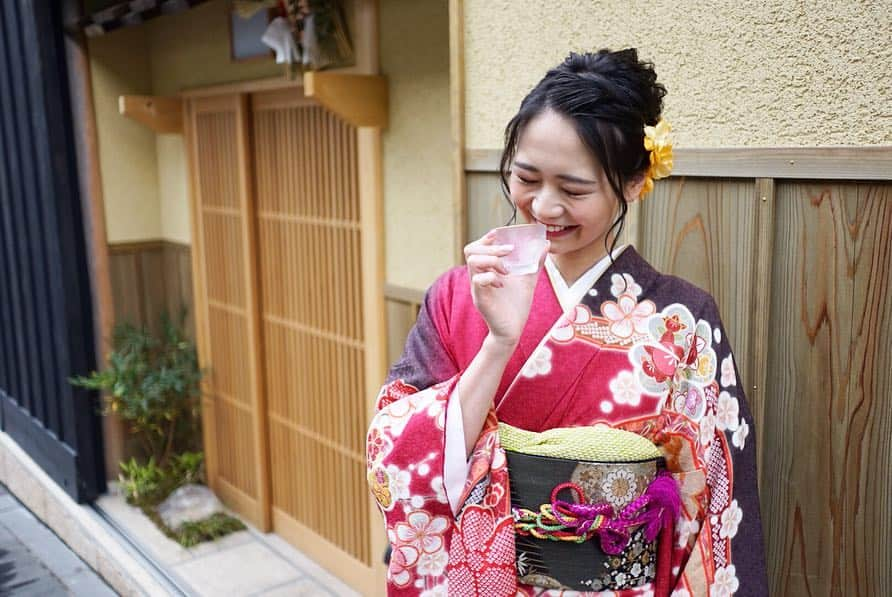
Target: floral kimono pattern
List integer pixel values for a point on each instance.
(643, 352)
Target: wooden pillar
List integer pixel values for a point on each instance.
(93, 208)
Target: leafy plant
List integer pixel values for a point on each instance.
(143, 483)
(147, 485)
(154, 385)
(211, 528)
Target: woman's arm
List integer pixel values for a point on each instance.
(479, 383)
(504, 302)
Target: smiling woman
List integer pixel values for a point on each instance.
(596, 339)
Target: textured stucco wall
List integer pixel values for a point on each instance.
(187, 50)
(417, 145)
(119, 66)
(776, 73)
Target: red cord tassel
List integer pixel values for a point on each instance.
(663, 580)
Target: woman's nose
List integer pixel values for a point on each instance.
(547, 205)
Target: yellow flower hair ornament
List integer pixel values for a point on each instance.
(658, 143)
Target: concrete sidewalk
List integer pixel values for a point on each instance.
(34, 561)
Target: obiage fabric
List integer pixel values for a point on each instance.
(643, 352)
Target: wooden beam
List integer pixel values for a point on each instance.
(86, 144)
(457, 116)
(161, 114)
(361, 100)
(809, 163)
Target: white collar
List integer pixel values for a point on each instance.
(570, 296)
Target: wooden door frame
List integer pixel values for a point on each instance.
(370, 178)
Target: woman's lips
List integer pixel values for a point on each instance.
(558, 231)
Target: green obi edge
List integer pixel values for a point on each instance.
(598, 443)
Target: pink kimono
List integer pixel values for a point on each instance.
(641, 351)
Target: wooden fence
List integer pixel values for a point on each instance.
(800, 269)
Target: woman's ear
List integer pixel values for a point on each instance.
(634, 186)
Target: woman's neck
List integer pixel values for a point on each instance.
(573, 265)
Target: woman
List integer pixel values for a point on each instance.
(596, 339)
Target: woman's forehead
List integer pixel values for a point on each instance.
(550, 144)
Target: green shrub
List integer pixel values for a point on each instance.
(143, 484)
(154, 385)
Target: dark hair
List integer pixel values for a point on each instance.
(609, 97)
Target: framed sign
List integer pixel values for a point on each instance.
(245, 34)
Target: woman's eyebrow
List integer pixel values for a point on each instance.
(564, 177)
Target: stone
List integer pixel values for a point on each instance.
(190, 502)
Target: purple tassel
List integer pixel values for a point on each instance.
(656, 509)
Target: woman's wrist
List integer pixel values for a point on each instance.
(497, 346)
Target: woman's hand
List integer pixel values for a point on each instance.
(503, 300)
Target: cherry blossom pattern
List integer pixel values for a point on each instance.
(378, 445)
(740, 435)
(627, 316)
(731, 518)
(422, 531)
(677, 359)
(624, 284)
(727, 409)
(399, 482)
(481, 556)
(563, 330)
(625, 388)
(433, 564)
(707, 429)
(680, 593)
(686, 529)
(725, 583)
(729, 376)
(539, 363)
(402, 559)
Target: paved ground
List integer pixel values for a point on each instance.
(243, 564)
(34, 561)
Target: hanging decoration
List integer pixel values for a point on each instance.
(311, 34)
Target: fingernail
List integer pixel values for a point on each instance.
(506, 247)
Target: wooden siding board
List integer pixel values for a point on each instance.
(806, 411)
(868, 450)
(803, 163)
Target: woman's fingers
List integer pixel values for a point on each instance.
(486, 279)
(481, 263)
(478, 248)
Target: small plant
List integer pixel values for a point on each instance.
(143, 484)
(149, 484)
(211, 528)
(154, 385)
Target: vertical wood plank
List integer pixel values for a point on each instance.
(867, 473)
(805, 428)
(760, 332)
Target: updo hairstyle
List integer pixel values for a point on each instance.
(609, 97)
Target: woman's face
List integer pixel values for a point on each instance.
(556, 180)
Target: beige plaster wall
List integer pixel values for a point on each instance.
(417, 160)
(774, 73)
(119, 65)
(189, 50)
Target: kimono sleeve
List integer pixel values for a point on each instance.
(405, 454)
(729, 547)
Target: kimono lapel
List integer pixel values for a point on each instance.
(545, 312)
(542, 390)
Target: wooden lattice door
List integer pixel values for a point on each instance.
(308, 214)
(288, 264)
(227, 324)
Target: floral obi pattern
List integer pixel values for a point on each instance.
(589, 526)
